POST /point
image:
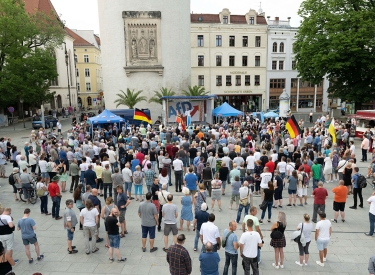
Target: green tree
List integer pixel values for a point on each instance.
(159, 94)
(336, 39)
(130, 98)
(27, 42)
(195, 91)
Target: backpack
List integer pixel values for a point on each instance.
(11, 179)
(137, 178)
(305, 179)
(361, 181)
(48, 167)
(279, 141)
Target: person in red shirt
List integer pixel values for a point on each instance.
(271, 165)
(140, 156)
(174, 150)
(306, 167)
(169, 148)
(319, 194)
(54, 192)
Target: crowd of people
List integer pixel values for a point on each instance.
(249, 161)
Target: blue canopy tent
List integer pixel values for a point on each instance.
(104, 118)
(226, 110)
(258, 115)
(271, 114)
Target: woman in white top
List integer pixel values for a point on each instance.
(306, 231)
(43, 199)
(32, 162)
(89, 217)
(328, 168)
(341, 167)
(163, 177)
(281, 166)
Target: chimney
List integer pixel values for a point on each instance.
(276, 18)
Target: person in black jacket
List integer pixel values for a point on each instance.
(207, 178)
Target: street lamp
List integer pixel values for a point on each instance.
(23, 115)
(67, 73)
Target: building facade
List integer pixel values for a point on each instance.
(145, 46)
(228, 57)
(281, 72)
(88, 71)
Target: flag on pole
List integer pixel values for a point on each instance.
(140, 115)
(332, 130)
(292, 127)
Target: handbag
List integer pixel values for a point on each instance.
(245, 201)
(263, 205)
(203, 199)
(276, 234)
(40, 192)
(298, 238)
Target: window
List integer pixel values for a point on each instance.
(87, 72)
(200, 40)
(78, 87)
(77, 72)
(218, 41)
(251, 21)
(238, 80)
(244, 61)
(247, 80)
(294, 83)
(281, 65)
(219, 80)
(257, 61)
(200, 80)
(294, 65)
(231, 41)
(218, 60)
(257, 80)
(277, 83)
(88, 86)
(274, 65)
(225, 19)
(89, 101)
(257, 41)
(281, 47)
(245, 40)
(231, 60)
(75, 58)
(228, 80)
(200, 60)
(274, 47)
(86, 58)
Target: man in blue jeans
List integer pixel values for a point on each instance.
(245, 194)
(231, 247)
(54, 192)
(200, 217)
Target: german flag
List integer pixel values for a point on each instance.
(140, 115)
(292, 127)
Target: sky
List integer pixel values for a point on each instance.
(83, 14)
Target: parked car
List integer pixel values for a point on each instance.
(49, 121)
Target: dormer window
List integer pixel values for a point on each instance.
(251, 20)
(225, 19)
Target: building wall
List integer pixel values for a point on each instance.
(95, 79)
(236, 95)
(174, 45)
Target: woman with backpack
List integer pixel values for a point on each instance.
(106, 210)
(138, 177)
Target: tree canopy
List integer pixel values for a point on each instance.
(161, 93)
(130, 98)
(336, 39)
(195, 91)
(27, 44)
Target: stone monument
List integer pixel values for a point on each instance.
(145, 46)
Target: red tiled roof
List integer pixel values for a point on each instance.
(41, 5)
(97, 38)
(78, 40)
(214, 18)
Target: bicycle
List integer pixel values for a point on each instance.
(31, 193)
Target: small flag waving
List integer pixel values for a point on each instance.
(332, 131)
(140, 115)
(292, 127)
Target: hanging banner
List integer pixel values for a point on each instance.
(195, 108)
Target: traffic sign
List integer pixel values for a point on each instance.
(11, 109)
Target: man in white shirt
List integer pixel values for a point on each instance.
(290, 167)
(112, 158)
(6, 230)
(226, 160)
(178, 166)
(257, 154)
(323, 231)
(162, 197)
(274, 156)
(250, 162)
(371, 202)
(128, 180)
(246, 200)
(281, 166)
(210, 233)
(266, 177)
(249, 243)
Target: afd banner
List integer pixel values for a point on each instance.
(195, 108)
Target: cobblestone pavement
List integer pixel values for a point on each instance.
(348, 251)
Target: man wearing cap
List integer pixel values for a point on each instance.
(70, 222)
(178, 258)
(54, 192)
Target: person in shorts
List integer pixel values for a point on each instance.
(149, 220)
(170, 214)
(27, 227)
(122, 202)
(339, 200)
(70, 222)
(323, 232)
(112, 225)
